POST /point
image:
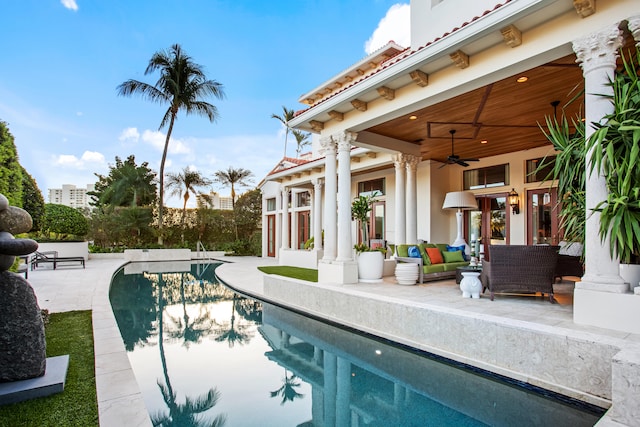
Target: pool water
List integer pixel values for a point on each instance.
(204, 355)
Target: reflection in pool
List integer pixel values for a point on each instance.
(204, 355)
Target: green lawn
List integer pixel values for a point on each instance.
(67, 333)
(308, 274)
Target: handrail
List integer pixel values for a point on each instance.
(205, 256)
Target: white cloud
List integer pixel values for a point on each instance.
(71, 161)
(79, 113)
(157, 139)
(394, 26)
(93, 157)
(70, 4)
(67, 160)
(129, 135)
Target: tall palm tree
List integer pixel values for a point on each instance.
(302, 140)
(187, 180)
(182, 85)
(285, 118)
(232, 177)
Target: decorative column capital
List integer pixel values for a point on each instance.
(328, 146)
(599, 49)
(411, 161)
(317, 183)
(633, 23)
(285, 190)
(345, 140)
(399, 160)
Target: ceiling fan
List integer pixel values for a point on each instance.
(453, 158)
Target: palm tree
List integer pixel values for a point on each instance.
(187, 180)
(285, 118)
(302, 140)
(288, 389)
(182, 85)
(233, 177)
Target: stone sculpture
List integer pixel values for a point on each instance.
(22, 340)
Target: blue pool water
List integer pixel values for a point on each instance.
(203, 354)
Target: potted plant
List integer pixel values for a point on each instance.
(370, 261)
(615, 145)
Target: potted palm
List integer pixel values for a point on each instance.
(615, 145)
(370, 261)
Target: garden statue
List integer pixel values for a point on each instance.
(22, 340)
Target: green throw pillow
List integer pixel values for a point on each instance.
(455, 256)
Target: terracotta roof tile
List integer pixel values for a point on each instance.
(401, 56)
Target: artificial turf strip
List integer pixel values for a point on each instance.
(67, 333)
(308, 274)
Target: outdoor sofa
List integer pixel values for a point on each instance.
(429, 270)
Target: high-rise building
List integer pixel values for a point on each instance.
(70, 195)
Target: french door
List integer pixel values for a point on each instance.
(542, 217)
(271, 235)
(490, 222)
(303, 228)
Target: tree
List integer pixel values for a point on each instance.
(32, 200)
(232, 177)
(10, 169)
(187, 180)
(126, 185)
(285, 118)
(182, 85)
(64, 220)
(302, 140)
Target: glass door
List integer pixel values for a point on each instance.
(303, 228)
(490, 222)
(376, 226)
(542, 217)
(271, 235)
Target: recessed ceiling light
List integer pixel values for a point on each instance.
(413, 117)
(522, 79)
(484, 141)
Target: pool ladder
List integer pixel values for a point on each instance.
(201, 254)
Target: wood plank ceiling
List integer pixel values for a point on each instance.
(506, 114)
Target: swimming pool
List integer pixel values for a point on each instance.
(202, 353)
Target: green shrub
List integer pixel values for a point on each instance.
(64, 221)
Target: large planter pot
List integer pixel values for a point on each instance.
(630, 273)
(370, 266)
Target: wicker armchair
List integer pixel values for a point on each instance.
(520, 269)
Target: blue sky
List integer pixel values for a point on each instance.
(63, 59)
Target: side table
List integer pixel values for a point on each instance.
(460, 270)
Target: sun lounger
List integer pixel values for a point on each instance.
(44, 258)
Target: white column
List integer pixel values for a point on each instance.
(412, 200)
(317, 214)
(285, 218)
(597, 55)
(400, 204)
(345, 250)
(330, 198)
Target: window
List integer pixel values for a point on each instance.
(271, 205)
(546, 168)
(303, 199)
(374, 187)
(492, 176)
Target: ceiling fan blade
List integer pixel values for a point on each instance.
(462, 163)
(470, 160)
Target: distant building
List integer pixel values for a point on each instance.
(70, 195)
(217, 202)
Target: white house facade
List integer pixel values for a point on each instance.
(479, 78)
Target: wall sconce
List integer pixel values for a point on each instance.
(514, 201)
